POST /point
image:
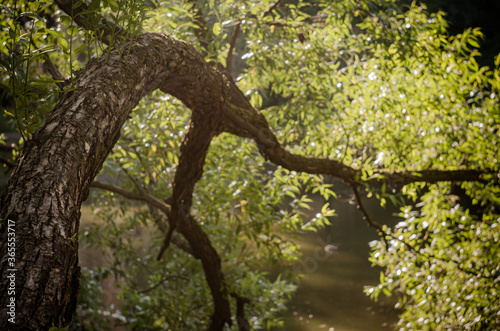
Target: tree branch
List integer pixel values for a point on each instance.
(366, 215)
(194, 147)
(54, 72)
(176, 240)
(161, 282)
(243, 324)
(229, 59)
(133, 196)
(246, 121)
(44, 202)
(270, 10)
(152, 202)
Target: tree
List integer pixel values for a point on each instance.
(375, 95)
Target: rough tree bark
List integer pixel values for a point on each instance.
(53, 174)
(42, 199)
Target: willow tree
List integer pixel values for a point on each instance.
(211, 115)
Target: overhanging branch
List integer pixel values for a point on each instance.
(251, 123)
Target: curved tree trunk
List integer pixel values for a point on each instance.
(40, 207)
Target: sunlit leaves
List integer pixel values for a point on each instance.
(443, 260)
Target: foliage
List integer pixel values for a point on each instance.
(443, 261)
(367, 83)
(24, 43)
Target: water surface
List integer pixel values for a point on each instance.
(331, 295)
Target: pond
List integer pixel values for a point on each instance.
(331, 296)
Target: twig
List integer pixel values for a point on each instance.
(270, 10)
(384, 235)
(161, 283)
(81, 15)
(167, 240)
(229, 60)
(234, 38)
(176, 240)
(152, 202)
(146, 197)
(132, 179)
(366, 215)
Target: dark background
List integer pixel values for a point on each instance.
(462, 14)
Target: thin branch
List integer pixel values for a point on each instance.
(132, 179)
(49, 66)
(176, 240)
(270, 10)
(251, 123)
(412, 248)
(366, 215)
(152, 200)
(429, 256)
(229, 59)
(243, 324)
(158, 219)
(161, 283)
(167, 240)
(202, 32)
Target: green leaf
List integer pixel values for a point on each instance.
(80, 49)
(9, 114)
(31, 15)
(12, 33)
(217, 28)
(72, 30)
(77, 4)
(94, 4)
(113, 5)
(63, 43)
(66, 20)
(7, 9)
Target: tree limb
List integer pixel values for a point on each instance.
(229, 59)
(246, 121)
(366, 215)
(134, 196)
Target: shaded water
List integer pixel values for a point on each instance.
(331, 295)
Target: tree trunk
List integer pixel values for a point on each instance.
(40, 208)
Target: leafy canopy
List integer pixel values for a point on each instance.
(368, 83)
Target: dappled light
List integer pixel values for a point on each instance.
(274, 165)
